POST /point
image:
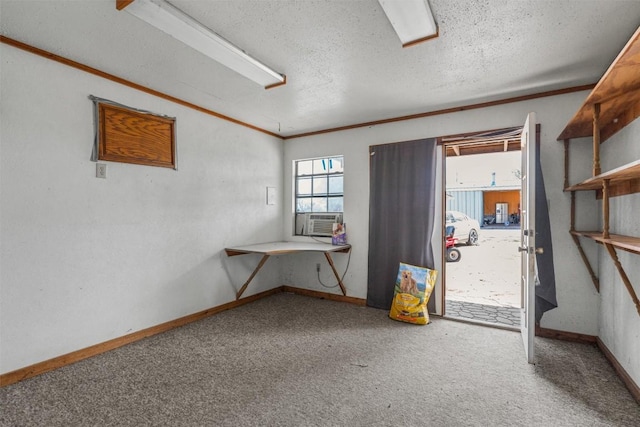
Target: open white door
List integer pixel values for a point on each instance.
(527, 235)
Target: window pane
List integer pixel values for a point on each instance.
(320, 166)
(304, 186)
(319, 204)
(305, 167)
(335, 165)
(315, 181)
(303, 205)
(335, 184)
(319, 185)
(336, 204)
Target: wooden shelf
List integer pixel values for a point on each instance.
(617, 92)
(627, 243)
(613, 104)
(622, 180)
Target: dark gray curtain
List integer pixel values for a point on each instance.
(546, 284)
(401, 214)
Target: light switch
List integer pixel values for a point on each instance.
(271, 195)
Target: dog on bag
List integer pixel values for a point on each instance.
(408, 283)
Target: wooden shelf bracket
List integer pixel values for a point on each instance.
(623, 275)
(610, 249)
(605, 209)
(576, 240)
(566, 163)
(596, 140)
(585, 260)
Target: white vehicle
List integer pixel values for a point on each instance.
(466, 229)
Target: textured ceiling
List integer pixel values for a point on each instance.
(343, 61)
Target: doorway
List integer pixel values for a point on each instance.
(482, 191)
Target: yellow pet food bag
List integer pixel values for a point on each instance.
(412, 291)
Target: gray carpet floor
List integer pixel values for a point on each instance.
(290, 360)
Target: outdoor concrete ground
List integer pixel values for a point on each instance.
(488, 273)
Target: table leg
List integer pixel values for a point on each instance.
(333, 267)
(260, 264)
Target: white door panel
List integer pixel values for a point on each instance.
(527, 235)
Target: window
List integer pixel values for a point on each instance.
(319, 185)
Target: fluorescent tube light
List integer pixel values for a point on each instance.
(411, 19)
(171, 20)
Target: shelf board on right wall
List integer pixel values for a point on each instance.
(617, 92)
(622, 180)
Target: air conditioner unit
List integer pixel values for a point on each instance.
(320, 224)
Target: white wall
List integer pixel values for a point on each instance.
(577, 298)
(84, 260)
(619, 319)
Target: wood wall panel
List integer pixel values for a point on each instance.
(130, 136)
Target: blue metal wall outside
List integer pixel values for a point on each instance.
(468, 202)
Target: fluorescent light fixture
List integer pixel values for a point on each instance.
(171, 20)
(411, 19)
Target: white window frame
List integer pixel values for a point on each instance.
(328, 173)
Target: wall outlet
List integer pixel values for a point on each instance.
(318, 267)
(101, 170)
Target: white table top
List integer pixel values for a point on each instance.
(275, 248)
